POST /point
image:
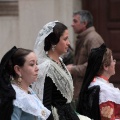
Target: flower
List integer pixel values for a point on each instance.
(107, 111)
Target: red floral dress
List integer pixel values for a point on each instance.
(109, 99)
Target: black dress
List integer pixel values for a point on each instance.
(53, 97)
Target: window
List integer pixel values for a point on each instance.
(8, 7)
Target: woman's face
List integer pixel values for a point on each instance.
(29, 71)
(63, 43)
(111, 68)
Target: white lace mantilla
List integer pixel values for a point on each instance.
(39, 44)
(43, 63)
(62, 80)
(107, 91)
(30, 103)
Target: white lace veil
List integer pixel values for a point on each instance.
(44, 32)
(43, 63)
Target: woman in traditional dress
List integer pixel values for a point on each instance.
(101, 66)
(57, 84)
(18, 70)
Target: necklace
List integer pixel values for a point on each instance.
(56, 61)
(59, 63)
(23, 89)
(27, 91)
(15, 83)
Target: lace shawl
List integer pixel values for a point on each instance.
(62, 80)
(107, 91)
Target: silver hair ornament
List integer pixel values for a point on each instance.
(53, 47)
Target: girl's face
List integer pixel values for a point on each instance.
(29, 71)
(63, 43)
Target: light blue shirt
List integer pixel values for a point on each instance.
(28, 106)
(18, 114)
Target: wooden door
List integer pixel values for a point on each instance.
(106, 15)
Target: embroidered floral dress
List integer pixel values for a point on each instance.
(109, 99)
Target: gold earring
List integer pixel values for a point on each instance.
(19, 80)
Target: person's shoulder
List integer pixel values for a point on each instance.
(93, 34)
(95, 37)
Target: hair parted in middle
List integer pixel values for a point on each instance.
(54, 37)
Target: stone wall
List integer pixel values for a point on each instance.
(22, 29)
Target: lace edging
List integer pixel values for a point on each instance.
(29, 103)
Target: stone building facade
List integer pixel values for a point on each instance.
(21, 20)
